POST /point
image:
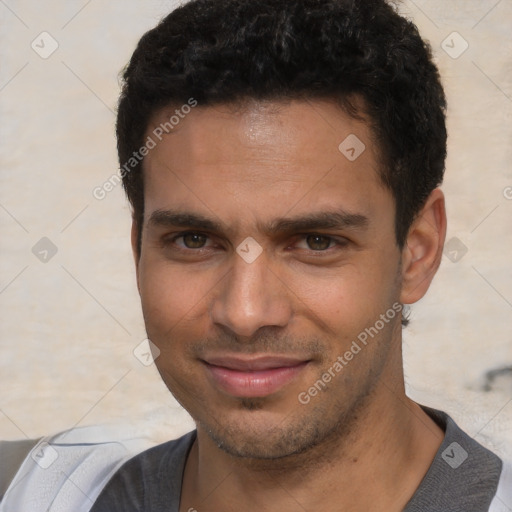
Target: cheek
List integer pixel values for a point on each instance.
(347, 299)
(335, 306)
(174, 314)
(170, 296)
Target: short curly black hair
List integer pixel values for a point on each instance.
(229, 51)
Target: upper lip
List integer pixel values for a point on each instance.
(253, 363)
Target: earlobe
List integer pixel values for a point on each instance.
(423, 249)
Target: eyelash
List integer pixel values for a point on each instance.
(339, 242)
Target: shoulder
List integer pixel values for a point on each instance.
(502, 501)
(132, 488)
(57, 471)
(463, 477)
(152, 462)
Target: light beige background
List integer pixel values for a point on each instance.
(70, 325)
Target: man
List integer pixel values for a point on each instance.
(283, 161)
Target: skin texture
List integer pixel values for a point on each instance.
(359, 443)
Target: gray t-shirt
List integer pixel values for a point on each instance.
(463, 477)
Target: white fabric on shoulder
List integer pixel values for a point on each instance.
(66, 472)
(502, 501)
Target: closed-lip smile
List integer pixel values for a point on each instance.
(254, 376)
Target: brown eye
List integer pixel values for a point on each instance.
(318, 242)
(194, 240)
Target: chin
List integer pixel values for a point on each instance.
(263, 436)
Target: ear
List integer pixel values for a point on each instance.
(423, 249)
(135, 248)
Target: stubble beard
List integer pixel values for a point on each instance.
(313, 433)
(312, 437)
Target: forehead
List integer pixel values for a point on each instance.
(262, 159)
(294, 130)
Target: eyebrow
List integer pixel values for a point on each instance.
(338, 219)
(171, 218)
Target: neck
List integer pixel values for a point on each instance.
(377, 465)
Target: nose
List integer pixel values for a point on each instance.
(251, 296)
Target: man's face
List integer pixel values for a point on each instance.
(246, 326)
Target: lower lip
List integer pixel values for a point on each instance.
(253, 384)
